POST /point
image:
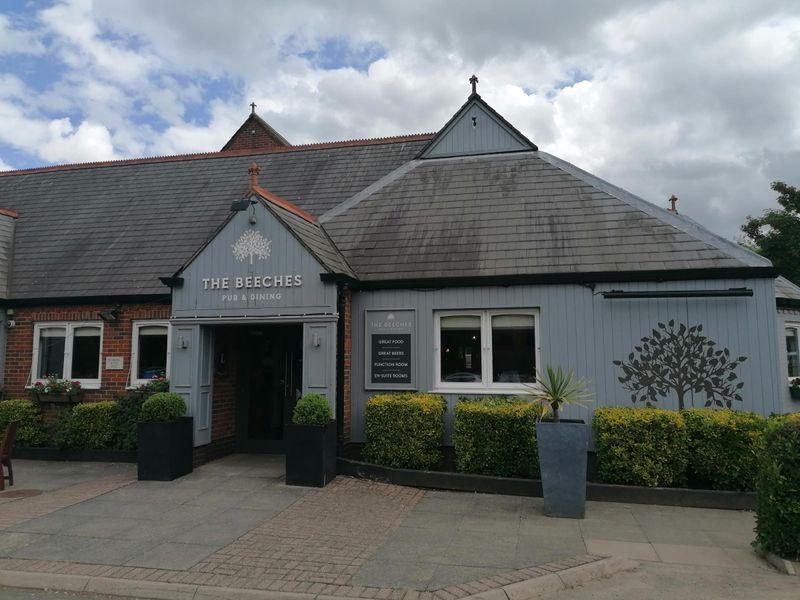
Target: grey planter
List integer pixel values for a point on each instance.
(563, 447)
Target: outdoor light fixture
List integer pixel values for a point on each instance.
(110, 316)
(241, 204)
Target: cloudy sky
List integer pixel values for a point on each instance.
(698, 99)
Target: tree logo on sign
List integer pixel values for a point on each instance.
(252, 245)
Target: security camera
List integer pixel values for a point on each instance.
(11, 323)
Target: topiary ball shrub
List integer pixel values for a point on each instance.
(778, 488)
(312, 409)
(30, 428)
(88, 426)
(496, 436)
(724, 448)
(163, 406)
(405, 430)
(641, 446)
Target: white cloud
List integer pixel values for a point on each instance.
(15, 40)
(695, 99)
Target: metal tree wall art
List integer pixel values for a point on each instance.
(681, 359)
(251, 244)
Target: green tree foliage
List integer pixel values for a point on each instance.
(776, 233)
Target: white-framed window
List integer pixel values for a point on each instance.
(70, 351)
(792, 350)
(486, 350)
(150, 351)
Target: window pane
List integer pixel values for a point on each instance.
(86, 353)
(152, 352)
(51, 352)
(513, 349)
(791, 352)
(461, 348)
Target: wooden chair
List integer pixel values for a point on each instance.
(6, 445)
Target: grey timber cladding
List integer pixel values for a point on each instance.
(218, 282)
(580, 330)
(476, 130)
(114, 230)
(516, 213)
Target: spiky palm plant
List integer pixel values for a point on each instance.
(555, 387)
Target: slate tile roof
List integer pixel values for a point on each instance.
(382, 215)
(516, 213)
(786, 290)
(114, 229)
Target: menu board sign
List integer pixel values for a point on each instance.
(390, 349)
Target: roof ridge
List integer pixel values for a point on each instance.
(220, 154)
(681, 222)
(284, 204)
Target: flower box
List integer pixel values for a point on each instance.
(56, 398)
(794, 392)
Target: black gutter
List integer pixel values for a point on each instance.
(732, 292)
(554, 278)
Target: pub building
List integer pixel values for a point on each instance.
(457, 262)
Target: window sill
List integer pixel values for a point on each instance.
(482, 391)
(84, 386)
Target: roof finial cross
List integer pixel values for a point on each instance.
(672, 200)
(252, 108)
(474, 81)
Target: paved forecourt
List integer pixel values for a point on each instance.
(234, 524)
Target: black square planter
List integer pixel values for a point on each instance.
(165, 449)
(310, 454)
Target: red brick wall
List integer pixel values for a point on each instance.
(253, 136)
(226, 379)
(116, 342)
(347, 321)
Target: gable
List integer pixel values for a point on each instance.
(252, 269)
(476, 129)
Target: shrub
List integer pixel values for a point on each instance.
(724, 447)
(88, 426)
(128, 414)
(154, 386)
(405, 430)
(163, 406)
(30, 431)
(778, 482)
(641, 446)
(312, 409)
(496, 436)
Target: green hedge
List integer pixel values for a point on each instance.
(88, 426)
(778, 486)
(724, 448)
(405, 430)
(163, 406)
(30, 431)
(496, 436)
(641, 446)
(312, 409)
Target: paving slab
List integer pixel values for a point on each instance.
(235, 524)
(171, 555)
(634, 550)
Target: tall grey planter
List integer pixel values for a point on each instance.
(562, 460)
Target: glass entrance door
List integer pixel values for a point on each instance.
(270, 382)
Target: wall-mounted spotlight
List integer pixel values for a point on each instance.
(110, 316)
